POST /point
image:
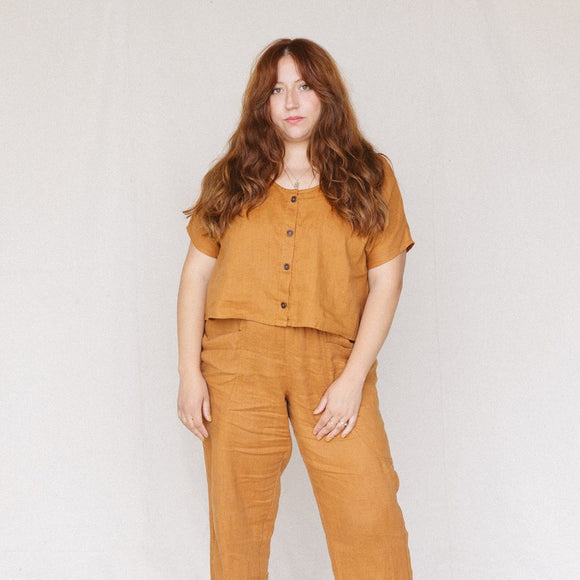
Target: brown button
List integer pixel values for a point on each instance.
(283, 305)
(293, 199)
(289, 232)
(286, 266)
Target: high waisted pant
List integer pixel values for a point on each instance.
(261, 377)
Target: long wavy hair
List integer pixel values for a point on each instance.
(351, 172)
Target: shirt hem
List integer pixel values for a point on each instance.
(263, 320)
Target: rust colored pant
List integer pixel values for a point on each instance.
(261, 377)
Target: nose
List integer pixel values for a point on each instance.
(290, 99)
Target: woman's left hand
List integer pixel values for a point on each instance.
(340, 403)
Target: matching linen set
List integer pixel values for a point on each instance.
(283, 307)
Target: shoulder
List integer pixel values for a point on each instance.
(387, 166)
(389, 179)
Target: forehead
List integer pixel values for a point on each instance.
(288, 71)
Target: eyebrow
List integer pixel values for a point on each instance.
(298, 81)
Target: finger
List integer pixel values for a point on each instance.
(322, 422)
(188, 424)
(318, 427)
(197, 432)
(319, 424)
(198, 426)
(339, 427)
(349, 427)
(195, 425)
(206, 409)
(321, 405)
(327, 428)
(332, 434)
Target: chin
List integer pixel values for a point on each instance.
(297, 138)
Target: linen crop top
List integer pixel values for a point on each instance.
(294, 262)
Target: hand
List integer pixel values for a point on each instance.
(192, 400)
(341, 403)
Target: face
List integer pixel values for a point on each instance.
(294, 106)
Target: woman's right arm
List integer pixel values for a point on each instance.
(193, 397)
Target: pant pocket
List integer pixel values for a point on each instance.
(216, 329)
(339, 340)
(220, 353)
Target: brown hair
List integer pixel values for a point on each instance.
(351, 171)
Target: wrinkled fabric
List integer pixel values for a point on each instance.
(262, 379)
(292, 261)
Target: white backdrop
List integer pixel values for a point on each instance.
(111, 113)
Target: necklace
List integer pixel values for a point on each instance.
(295, 181)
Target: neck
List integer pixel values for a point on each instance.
(295, 157)
(297, 172)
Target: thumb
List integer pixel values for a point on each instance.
(321, 405)
(206, 409)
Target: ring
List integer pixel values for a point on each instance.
(344, 423)
(330, 422)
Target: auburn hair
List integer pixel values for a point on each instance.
(351, 172)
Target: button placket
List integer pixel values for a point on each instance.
(288, 255)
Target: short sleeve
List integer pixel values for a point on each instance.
(396, 237)
(200, 239)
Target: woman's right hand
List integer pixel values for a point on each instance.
(193, 403)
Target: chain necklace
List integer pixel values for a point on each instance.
(295, 181)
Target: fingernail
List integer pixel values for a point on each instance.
(210, 417)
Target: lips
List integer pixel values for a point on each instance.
(293, 120)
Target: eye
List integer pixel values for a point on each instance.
(305, 87)
(276, 90)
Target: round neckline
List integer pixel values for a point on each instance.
(299, 192)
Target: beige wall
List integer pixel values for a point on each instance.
(111, 113)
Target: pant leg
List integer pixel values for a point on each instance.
(353, 478)
(248, 447)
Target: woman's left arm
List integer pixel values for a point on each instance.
(342, 399)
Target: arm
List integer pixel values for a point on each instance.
(193, 395)
(342, 399)
(386, 285)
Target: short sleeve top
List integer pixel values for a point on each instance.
(294, 262)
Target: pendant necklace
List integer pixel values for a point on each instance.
(295, 181)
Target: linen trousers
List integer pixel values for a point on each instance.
(260, 379)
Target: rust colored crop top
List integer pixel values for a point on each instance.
(293, 262)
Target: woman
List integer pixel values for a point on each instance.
(288, 291)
